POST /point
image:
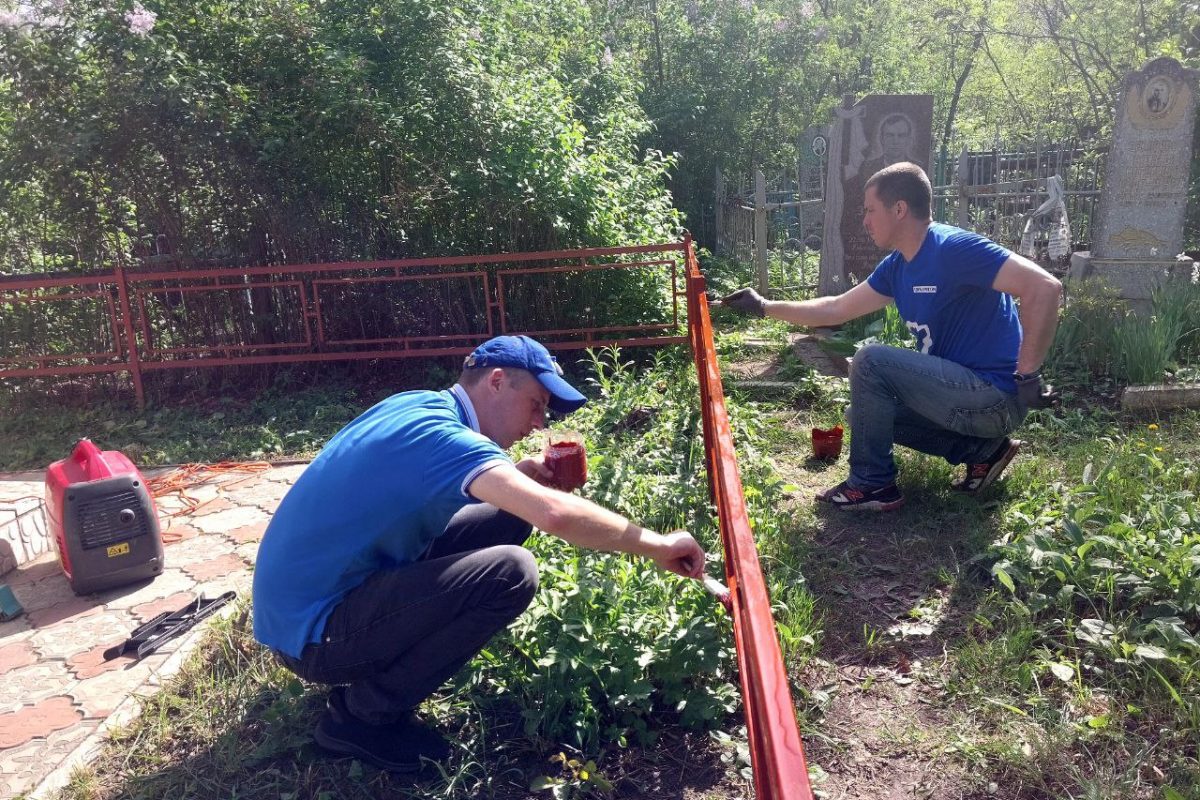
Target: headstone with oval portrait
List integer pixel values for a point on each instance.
(866, 136)
(1144, 197)
(1143, 200)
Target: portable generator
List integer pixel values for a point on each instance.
(102, 520)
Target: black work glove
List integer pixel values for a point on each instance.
(746, 301)
(1032, 393)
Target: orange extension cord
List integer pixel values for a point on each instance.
(177, 482)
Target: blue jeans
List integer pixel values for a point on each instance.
(900, 396)
(396, 638)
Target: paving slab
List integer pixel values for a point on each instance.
(58, 696)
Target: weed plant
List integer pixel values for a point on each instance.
(1103, 578)
(1142, 350)
(1082, 348)
(1098, 336)
(611, 646)
(888, 329)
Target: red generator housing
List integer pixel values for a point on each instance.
(102, 520)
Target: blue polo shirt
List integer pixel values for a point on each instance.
(375, 498)
(945, 297)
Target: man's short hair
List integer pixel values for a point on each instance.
(903, 181)
(470, 376)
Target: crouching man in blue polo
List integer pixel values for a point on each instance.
(398, 553)
(983, 318)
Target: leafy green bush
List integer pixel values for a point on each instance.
(267, 132)
(1082, 346)
(1111, 567)
(1098, 336)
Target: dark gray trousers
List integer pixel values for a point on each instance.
(401, 634)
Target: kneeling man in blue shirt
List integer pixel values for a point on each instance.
(398, 553)
(976, 369)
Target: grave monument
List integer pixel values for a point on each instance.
(1139, 228)
(866, 137)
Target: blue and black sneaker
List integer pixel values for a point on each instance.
(847, 498)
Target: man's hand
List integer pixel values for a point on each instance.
(681, 554)
(535, 467)
(746, 301)
(1031, 393)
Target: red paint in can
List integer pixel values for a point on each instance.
(567, 459)
(827, 443)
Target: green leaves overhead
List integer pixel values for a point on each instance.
(271, 131)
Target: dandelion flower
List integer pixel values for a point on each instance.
(1158, 449)
(1152, 426)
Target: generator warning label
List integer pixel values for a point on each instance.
(118, 550)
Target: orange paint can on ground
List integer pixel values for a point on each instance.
(827, 442)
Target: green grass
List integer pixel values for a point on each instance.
(1062, 604)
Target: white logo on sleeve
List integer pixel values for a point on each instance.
(923, 336)
(924, 290)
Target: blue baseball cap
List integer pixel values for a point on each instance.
(524, 353)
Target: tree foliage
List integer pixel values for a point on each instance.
(281, 131)
(291, 130)
(733, 83)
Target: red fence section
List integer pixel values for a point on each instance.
(776, 753)
(135, 321)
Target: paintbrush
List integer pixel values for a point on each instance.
(719, 591)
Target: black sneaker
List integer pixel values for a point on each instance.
(397, 747)
(847, 498)
(981, 476)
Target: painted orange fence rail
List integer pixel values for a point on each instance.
(776, 753)
(136, 321)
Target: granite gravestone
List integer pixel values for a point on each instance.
(866, 137)
(1139, 226)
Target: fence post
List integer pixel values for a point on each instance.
(135, 364)
(963, 212)
(719, 210)
(760, 230)
(943, 167)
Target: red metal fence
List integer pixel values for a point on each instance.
(776, 753)
(134, 321)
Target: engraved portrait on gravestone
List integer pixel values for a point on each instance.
(1158, 95)
(868, 135)
(893, 142)
(896, 138)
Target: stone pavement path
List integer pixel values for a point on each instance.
(57, 694)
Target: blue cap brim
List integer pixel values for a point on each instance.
(563, 396)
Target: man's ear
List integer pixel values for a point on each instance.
(901, 209)
(495, 378)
